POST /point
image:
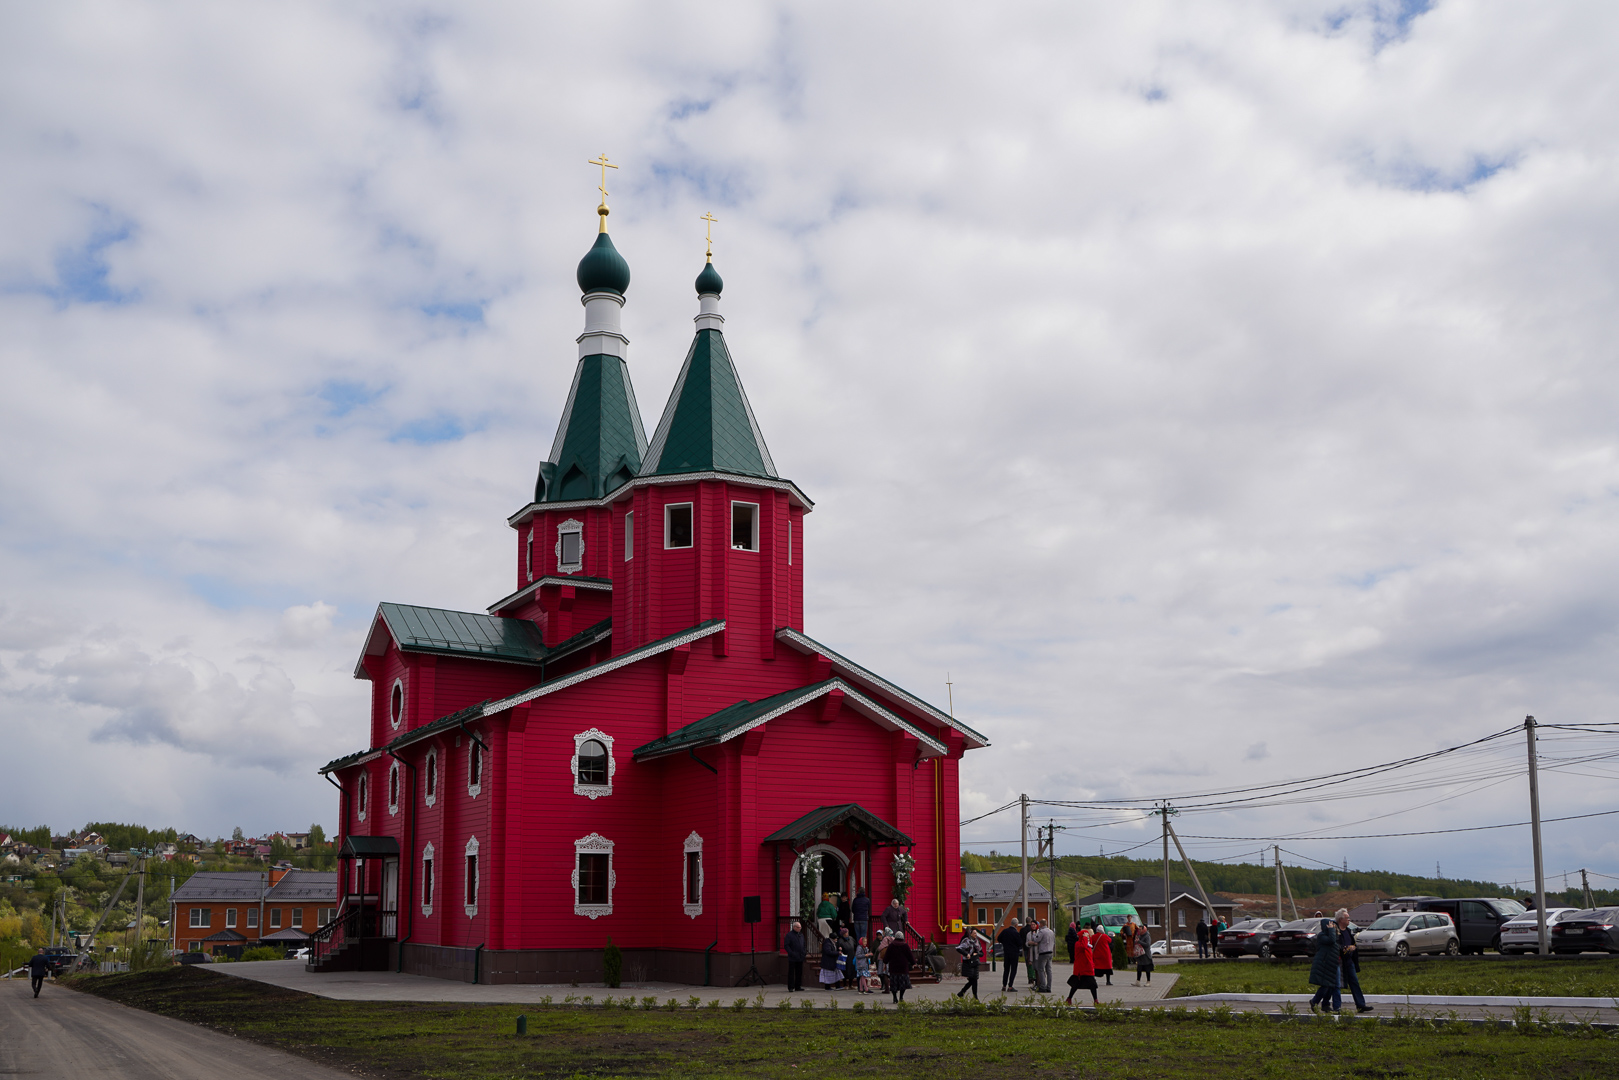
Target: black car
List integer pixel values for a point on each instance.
(195, 957)
(1594, 930)
(1251, 937)
(1478, 919)
(61, 960)
(1296, 938)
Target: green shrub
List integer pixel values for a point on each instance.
(263, 952)
(613, 965)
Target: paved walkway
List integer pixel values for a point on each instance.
(389, 986)
(66, 1035)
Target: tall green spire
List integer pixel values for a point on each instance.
(708, 424)
(600, 441)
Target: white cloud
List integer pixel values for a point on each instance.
(1182, 377)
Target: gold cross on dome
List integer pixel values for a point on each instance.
(709, 230)
(605, 165)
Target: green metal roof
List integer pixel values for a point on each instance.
(849, 815)
(600, 440)
(368, 847)
(729, 721)
(708, 424)
(425, 629)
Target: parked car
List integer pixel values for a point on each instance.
(1592, 930)
(1182, 947)
(1112, 915)
(197, 957)
(1251, 937)
(1522, 935)
(61, 960)
(1478, 919)
(1401, 933)
(1295, 938)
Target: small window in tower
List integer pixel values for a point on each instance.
(790, 546)
(528, 556)
(744, 526)
(677, 525)
(570, 547)
(432, 778)
(592, 762)
(629, 536)
(396, 703)
(474, 769)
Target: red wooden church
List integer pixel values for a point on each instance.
(641, 735)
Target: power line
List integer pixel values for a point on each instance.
(1424, 832)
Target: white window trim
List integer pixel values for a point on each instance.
(397, 688)
(572, 525)
(594, 844)
(693, 843)
(593, 791)
(472, 909)
(528, 554)
(230, 918)
(475, 753)
(430, 768)
(667, 546)
(755, 540)
(196, 918)
(395, 788)
(427, 897)
(629, 536)
(362, 797)
(252, 918)
(789, 543)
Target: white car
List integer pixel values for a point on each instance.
(1182, 948)
(1401, 933)
(1522, 934)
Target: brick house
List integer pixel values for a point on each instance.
(223, 912)
(1147, 896)
(992, 898)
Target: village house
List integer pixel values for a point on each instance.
(1146, 895)
(991, 898)
(221, 912)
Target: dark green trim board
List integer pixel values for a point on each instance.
(708, 424)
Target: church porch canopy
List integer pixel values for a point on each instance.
(852, 816)
(369, 847)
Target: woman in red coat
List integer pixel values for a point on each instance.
(1102, 950)
(1084, 976)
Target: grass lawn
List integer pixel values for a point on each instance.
(451, 1041)
(1594, 977)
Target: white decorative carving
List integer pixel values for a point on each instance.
(475, 767)
(393, 788)
(429, 883)
(593, 791)
(572, 525)
(362, 798)
(396, 703)
(472, 849)
(430, 769)
(594, 844)
(693, 843)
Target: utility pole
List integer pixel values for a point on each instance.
(1051, 854)
(1534, 825)
(140, 908)
(1585, 884)
(1023, 839)
(1166, 811)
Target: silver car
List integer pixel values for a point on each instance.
(1401, 933)
(1522, 934)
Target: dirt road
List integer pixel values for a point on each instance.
(73, 1036)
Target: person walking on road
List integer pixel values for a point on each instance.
(1011, 943)
(1102, 951)
(1045, 946)
(971, 953)
(1351, 960)
(793, 944)
(1141, 953)
(1084, 976)
(1202, 937)
(39, 966)
(1326, 970)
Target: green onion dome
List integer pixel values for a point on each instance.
(603, 269)
(709, 281)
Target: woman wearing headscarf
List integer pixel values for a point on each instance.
(1102, 950)
(899, 959)
(1326, 970)
(830, 973)
(1084, 976)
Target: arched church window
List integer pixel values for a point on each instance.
(431, 779)
(360, 796)
(592, 765)
(474, 768)
(393, 788)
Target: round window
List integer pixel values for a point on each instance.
(592, 763)
(396, 704)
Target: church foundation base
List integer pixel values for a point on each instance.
(584, 966)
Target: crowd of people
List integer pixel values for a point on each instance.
(851, 956)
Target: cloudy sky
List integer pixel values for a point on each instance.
(1218, 393)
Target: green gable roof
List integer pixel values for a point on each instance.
(708, 424)
(600, 440)
(424, 629)
(851, 815)
(716, 727)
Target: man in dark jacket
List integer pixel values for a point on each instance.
(862, 915)
(39, 966)
(1011, 942)
(796, 949)
(1202, 937)
(1071, 938)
